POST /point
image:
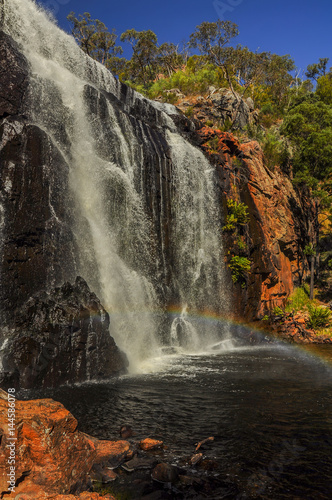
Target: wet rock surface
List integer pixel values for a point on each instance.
(13, 77)
(60, 337)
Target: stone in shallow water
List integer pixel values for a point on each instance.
(150, 444)
(126, 431)
(196, 459)
(139, 463)
(103, 474)
(165, 473)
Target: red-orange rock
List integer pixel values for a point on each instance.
(281, 217)
(52, 456)
(150, 444)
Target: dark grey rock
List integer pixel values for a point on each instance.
(60, 337)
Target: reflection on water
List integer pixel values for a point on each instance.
(269, 409)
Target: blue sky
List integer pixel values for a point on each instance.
(301, 28)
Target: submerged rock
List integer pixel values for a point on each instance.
(165, 473)
(61, 337)
(126, 431)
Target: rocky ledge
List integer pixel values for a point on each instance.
(59, 337)
(54, 460)
(293, 328)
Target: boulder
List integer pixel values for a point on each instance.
(165, 473)
(219, 106)
(150, 444)
(61, 336)
(53, 458)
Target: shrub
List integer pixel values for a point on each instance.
(319, 317)
(298, 300)
(241, 244)
(277, 311)
(213, 144)
(237, 215)
(189, 112)
(239, 266)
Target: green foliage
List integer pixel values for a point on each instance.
(226, 126)
(237, 215)
(324, 89)
(309, 250)
(265, 318)
(254, 132)
(314, 71)
(329, 264)
(274, 149)
(189, 112)
(94, 38)
(239, 266)
(212, 38)
(299, 299)
(213, 144)
(188, 81)
(319, 317)
(241, 244)
(142, 66)
(308, 125)
(277, 311)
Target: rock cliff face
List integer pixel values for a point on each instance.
(282, 221)
(218, 107)
(36, 239)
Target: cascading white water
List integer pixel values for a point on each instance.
(113, 232)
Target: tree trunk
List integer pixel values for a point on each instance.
(312, 277)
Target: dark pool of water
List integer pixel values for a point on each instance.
(269, 409)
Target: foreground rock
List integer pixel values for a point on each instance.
(52, 456)
(60, 337)
(54, 460)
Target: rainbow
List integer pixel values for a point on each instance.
(322, 352)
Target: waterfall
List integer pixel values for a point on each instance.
(144, 203)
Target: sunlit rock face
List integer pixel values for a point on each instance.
(61, 458)
(282, 220)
